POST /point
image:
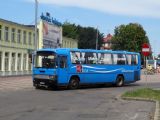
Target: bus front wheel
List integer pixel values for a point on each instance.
(119, 81)
(74, 83)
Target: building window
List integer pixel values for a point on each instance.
(19, 36)
(0, 61)
(19, 62)
(6, 61)
(13, 62)
(30, 38)
(0, 32)
(24, 37)
(6, 34)
(34, 42)
(24, 61)
(13, 35)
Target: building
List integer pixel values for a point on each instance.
(17, 43)
(69, 43)
(50, 34)
(16, 46)
(107, 42)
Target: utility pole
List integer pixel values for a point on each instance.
(97, 39)
(36, 14)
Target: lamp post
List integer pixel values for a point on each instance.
(97, 39)
(36, 13)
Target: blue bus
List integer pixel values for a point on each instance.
(75, 67)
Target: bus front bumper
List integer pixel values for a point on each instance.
(43, 82)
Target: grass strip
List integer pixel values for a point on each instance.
(143, 93)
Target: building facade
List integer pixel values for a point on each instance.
(16, 46)
(51, 34)
(17, 43)
(69, 43)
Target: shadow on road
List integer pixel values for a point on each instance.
(83, 87)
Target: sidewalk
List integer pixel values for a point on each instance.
(18, 73)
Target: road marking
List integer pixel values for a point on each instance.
(131, 118)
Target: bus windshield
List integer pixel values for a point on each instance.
(45, 59)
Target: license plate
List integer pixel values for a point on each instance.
(42, 76)
(42, 83)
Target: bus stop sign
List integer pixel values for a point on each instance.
(146, 49)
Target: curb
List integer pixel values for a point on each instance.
(157, 108)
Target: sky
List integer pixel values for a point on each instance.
(104, 14)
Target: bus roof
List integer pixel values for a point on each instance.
(59, 50)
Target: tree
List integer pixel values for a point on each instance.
(70, 30)
(87, 38)
(86, 35)
(129, 37)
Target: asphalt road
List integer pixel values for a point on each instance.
(20, 101)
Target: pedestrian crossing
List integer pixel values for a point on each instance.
(15, 83)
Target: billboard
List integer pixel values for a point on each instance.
(52, 35)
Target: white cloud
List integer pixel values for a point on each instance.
(142, 8)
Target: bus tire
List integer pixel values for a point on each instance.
(119, 81)
(37, 86)
(73, 83)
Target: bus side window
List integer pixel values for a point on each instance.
(63, 61)
(90, 58)
(75, 57)
(121, 59)
(100, 58)
(129, 59)
(134, 60)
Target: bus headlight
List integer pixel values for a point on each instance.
(52, 77)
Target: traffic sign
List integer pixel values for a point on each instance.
(146, 49)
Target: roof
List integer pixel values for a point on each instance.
(107, 38)
(11, 22)
(85, 50)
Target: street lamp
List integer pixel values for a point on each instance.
(97, 39)
(36, 13)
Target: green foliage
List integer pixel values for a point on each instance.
(143, 93)
(86, 35)
(87, 38)
(129, 37)
(70, 30)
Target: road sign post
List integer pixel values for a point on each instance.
(146, 49)
(146, 52)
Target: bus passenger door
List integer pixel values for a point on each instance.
(62, 70)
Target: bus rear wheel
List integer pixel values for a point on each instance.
(74, 83)
(119, 81)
